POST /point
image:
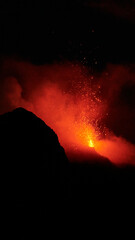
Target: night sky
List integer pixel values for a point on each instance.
(87, 31)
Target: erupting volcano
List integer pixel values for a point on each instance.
(67, 118)
(73, 102)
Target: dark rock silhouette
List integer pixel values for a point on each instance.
(29, 146)
(42, 190)
(33, 165)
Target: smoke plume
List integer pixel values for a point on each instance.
(84, 110)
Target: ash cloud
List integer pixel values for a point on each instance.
(73, 102)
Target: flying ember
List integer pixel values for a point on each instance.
(71, 102)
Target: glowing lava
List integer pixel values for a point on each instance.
(91, 144)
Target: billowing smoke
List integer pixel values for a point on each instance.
(117, 149)
(84, 110)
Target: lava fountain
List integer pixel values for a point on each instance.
(91, 144)
(70, 100)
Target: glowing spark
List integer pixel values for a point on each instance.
(91, 144)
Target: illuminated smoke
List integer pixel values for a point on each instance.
(81, 108)
(117, 149)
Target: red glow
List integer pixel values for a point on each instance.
(68, 99)
(69, 117)
(118, 150)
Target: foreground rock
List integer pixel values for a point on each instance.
(31, 155)
(40, 189)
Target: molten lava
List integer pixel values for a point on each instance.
(91, 144)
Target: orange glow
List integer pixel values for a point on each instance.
(73, 103)
(64, 99)
(117, 150)
(72, 115)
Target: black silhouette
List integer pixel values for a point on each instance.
(33, 166)
(42, 190)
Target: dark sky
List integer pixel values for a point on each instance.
(88, 31)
